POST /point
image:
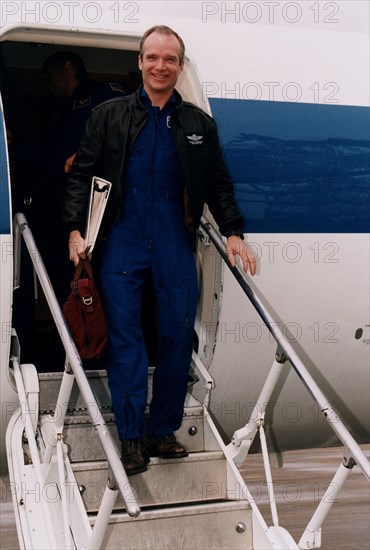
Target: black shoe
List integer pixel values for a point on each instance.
(165, 447)
(134, 457)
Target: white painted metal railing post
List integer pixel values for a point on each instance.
(102, 519)
(243, 438)
(270, 486)
(277, 536)
(311, 538)
(63, 492)
(58, 418)
(209, 383)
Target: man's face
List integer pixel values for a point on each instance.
(160, 63)
(57, 81)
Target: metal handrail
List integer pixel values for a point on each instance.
(109, 448)
(288, 351)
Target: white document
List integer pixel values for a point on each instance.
(99, 194)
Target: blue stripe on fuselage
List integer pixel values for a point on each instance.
(297, 168)
(4, 189)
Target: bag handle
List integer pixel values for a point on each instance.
(83, 265)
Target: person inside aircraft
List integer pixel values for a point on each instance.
(74, 95)
(66, 79)
(167, 166)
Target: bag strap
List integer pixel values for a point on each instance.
(83, 265)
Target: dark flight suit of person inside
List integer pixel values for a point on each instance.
(75, 97)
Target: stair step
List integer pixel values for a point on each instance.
(198, 477)
(50, 386)
(216, 526)
(80, 436)
(79, 433)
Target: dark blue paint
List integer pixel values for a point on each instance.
(298, 168)
(4, 188)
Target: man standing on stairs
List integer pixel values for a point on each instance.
(164, 160)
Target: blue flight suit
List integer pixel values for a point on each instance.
(150, 236)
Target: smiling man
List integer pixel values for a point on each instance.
(161, 62)
(164, 160)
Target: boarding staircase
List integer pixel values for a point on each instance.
(71, 491)
(185, 503)
(197, 502)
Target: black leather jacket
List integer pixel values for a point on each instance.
(103, 150)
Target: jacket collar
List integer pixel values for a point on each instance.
(138, 109)
(179, 106)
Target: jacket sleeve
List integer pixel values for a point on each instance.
(85, 166)
(221, 200)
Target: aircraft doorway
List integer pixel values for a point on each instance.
(30, 112)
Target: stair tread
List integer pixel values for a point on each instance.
(50, 384)
(192, 457)
(174, 510)
(196, 526)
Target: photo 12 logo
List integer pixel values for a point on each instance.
(69, 12)
(293, 92)
(271, 12)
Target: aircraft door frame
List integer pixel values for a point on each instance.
(8, 396)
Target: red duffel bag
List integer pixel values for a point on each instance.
(84, 314)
